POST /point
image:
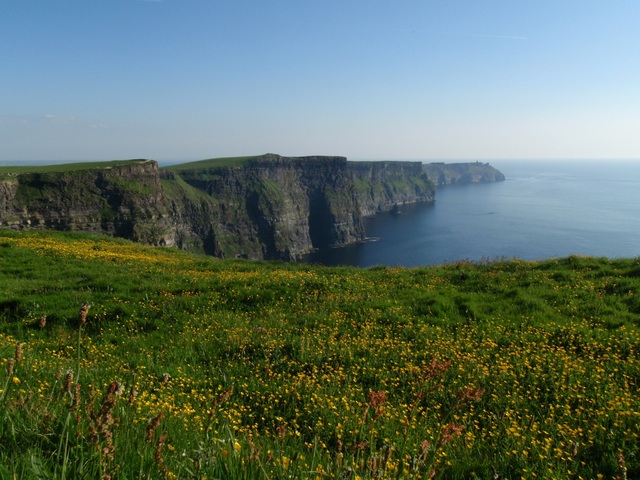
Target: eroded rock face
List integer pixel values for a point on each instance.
(272, 207)
(265, 207)
(383, 186)
(124, 200)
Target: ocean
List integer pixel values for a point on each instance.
(544, 209)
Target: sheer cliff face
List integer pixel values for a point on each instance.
(383, 186)
(266, 207)
(272, 207)
(124, 200)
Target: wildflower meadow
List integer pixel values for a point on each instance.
(121, 361)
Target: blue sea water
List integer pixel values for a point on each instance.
(544, 209)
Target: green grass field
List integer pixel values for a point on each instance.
(212, 163)
(64, 167)
(185, 366)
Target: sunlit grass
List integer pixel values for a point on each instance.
(193, 367)
(212, 163)
(65, 167)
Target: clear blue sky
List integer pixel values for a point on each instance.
(368, 79)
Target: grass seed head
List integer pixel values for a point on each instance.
(76, 397)
(153, 425)
(622, 467)
(82, 314)
(425, 448)
(68, 380)
(360, 446)
(132, 394)
(158, 451)
(10, 365)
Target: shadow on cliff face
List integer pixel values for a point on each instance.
(210, 244)
(320, 220)
(259, 211)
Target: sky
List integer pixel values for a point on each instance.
(445, 80)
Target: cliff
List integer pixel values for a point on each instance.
(123, 199)
(442, 174)
(383, 186)
(265, 207)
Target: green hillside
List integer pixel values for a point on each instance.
(185, 366)
(64, 167)
(212, 163)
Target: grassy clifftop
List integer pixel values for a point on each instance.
(66, 167)
(212, 163)
(191, 367)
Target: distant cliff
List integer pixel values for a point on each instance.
(264, 207)
(383, 186)
(442, 174)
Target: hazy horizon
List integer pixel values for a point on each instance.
(493, 162)
(449, 81)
